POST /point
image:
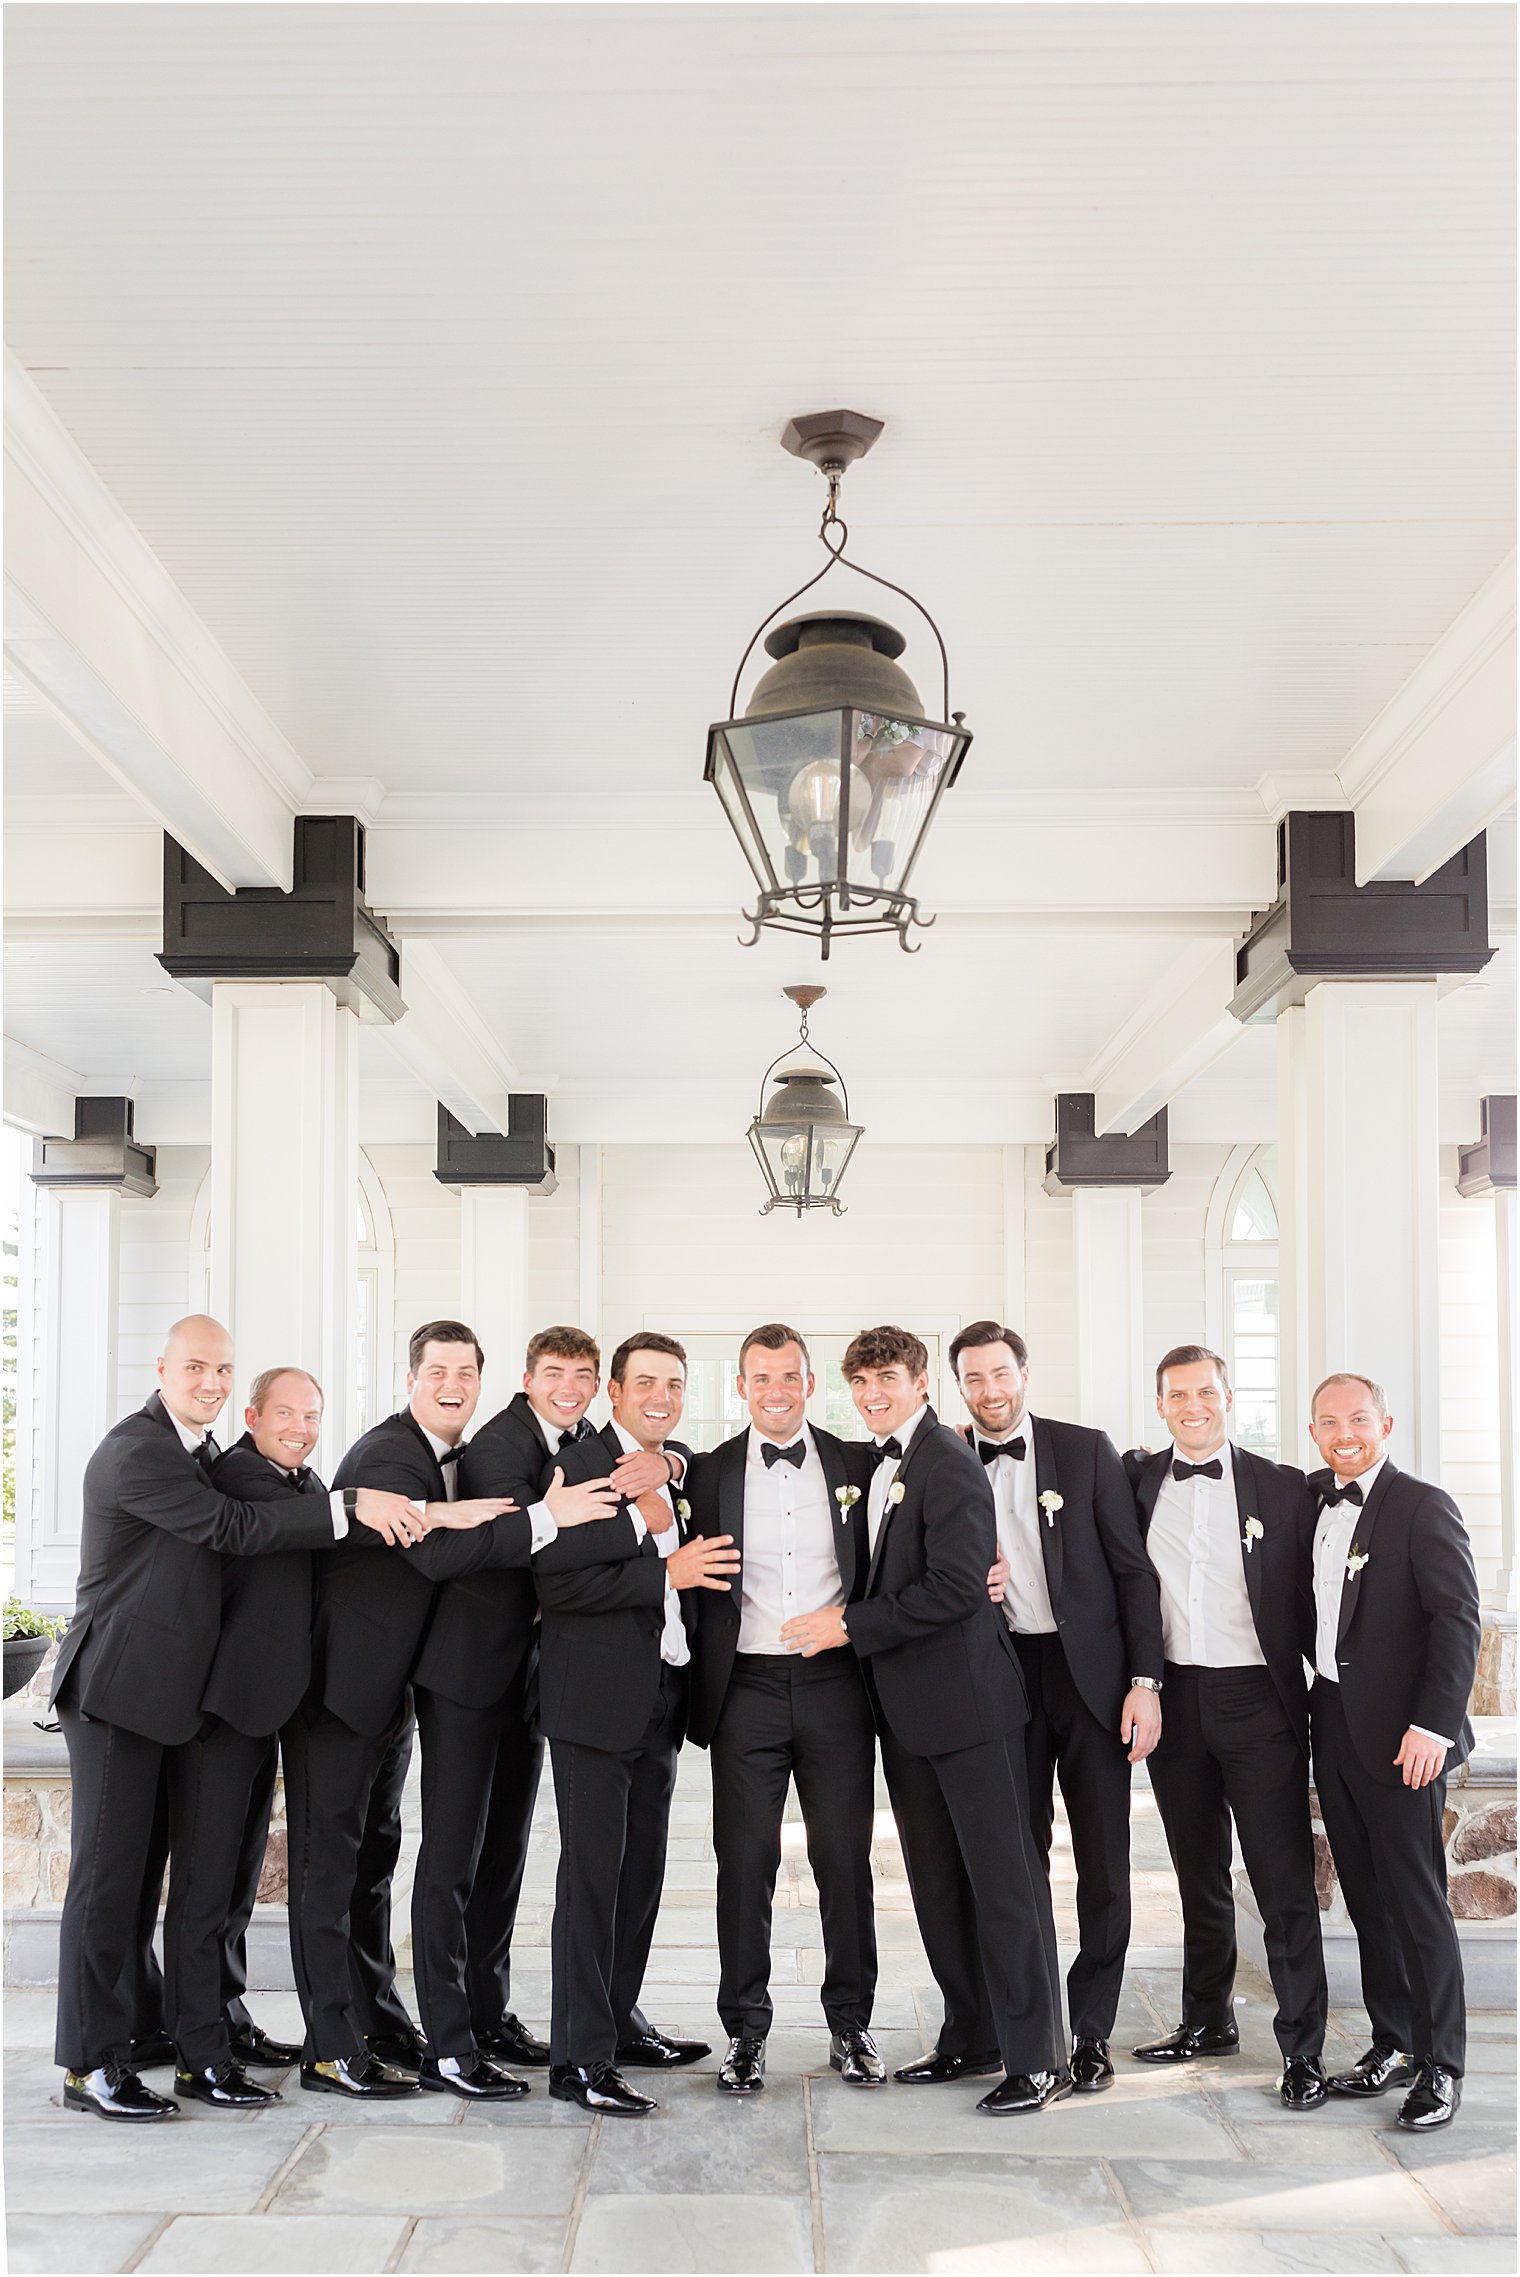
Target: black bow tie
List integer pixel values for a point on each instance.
(1351, 1492)
(990, 1449)
(795, 1454)
(1181, 1471)
(298, 1478)
(891, 1450)
(450, 1455)
(207, 1453)
(585, 1429)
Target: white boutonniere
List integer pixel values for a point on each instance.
(1050, 1503)
(1355, 1562)
(683, 1510)
(846, 1496)
(896, 1491)
(1255, 1532)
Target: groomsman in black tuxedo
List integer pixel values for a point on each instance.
(476, 1688)
(343, 1745)
(1228, 1534)
(949, 1701)
(128, 1687)
(1395, 1652)
(1084, 1606)
(792, 1500)
(614, 1660)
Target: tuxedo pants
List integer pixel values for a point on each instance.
(480, 1773)
(1389, 1854)
(614, 1819)
(245, 1888)
(115, 1873)
(331, 1776)
(1064, 1740)
(982, 1902)
(378, 2006)
(1228, 1750)
(783, 1719)
(210, 1780)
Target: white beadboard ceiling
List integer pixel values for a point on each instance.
(441, 352)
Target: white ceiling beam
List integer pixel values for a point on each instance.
(96, 625)
(1438, 763)
(444, 1042)
(40, 1092)
(1179, 1030)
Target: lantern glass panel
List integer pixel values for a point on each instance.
(730, 788)
(899, 768)
(789, 771)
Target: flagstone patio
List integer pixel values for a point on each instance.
(1199, 2173)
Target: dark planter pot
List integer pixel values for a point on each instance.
(23, 1657)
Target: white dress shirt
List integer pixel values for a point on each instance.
(1334, 1540)
(674, 1649)
(1015, 1492)
(540, 1519)
(884, 1478)
(790, 1563)
(1194, 1544)
(193, 1441)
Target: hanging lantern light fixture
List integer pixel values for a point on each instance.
(802, 1135)
(832, 776)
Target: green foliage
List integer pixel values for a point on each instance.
(21, 1621)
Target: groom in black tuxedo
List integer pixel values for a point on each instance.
(792, 1498)
(950, 1706)
(1083, 1604)
(1395, 1652)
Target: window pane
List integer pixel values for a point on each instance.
(1255, 1215)
(1254, 1352)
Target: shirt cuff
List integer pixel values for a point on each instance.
(1425, 1733)
(544, 1525)
(339, 1514)
(669, 1541)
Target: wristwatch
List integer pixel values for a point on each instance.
(1145, 1683)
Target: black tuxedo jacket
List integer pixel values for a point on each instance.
(599, 1644)
(1278, 1498)
(373, 1603)
(939, 1660)
(148, 1611)
(484, 1627)
(715, 1490)
(1103, 1588)
(263, 1656)
(1407, 1644)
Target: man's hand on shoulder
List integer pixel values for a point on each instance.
(645, 1471)
(391, 1516)
(577, 1505)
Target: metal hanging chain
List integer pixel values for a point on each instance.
(833, 521)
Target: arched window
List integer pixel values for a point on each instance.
(1242, 1245)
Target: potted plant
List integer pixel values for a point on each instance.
(27, 1638)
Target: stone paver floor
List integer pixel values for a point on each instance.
(1199, 2173)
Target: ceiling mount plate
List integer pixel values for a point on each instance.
(831, 438)
(805, 996)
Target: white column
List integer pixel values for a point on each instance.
(493, 1284)
(1358, 1197)
(1015, 1282)
(589, 1315)
(1111, 1361)
(285, 1188)
(79, 1260)
(1504, 1228)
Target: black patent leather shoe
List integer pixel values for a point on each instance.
(1186, 2044)
(225, 2086)
(113, 2092)
(1092, 2067)
(153, 2049)
(472, 2077)
(657, 2051)
(510, 2042)
(742, 2071)
(855, 2057)
(399, 2051)
(1375, 2072)
(1432, 2101)
(1024, 2091)
(597, 2087)
(360, 2076)
(251, 2044)
(935, 2070)
(1303, 2086)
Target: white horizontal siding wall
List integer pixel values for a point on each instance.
(1049, 1326)
(554, 1250)
(425, 1231)
(163, 1269)
(1172, 1227)
(1468, 1270)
